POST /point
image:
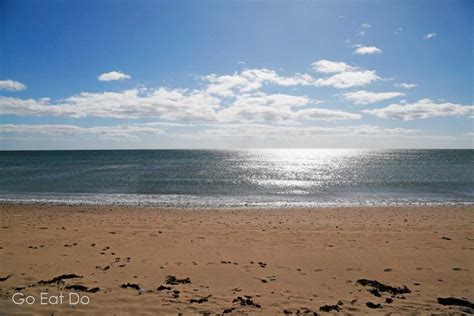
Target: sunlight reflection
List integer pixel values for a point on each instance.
(298, 169)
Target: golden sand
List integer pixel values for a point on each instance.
(255, 261)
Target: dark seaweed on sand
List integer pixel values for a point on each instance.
(373, 305)
(329, 308)
(380, 287)
(246, 301)
(59, 279)
(455, 301)
(171, 279)
(6, 277)
(131, 286)
(82, 288)
(199, 300)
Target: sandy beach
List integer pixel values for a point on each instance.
(370, 260)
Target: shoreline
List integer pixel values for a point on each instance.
(245, 260)
(243, 206)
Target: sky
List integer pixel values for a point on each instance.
(236, 74)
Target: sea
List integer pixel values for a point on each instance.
(238, 178)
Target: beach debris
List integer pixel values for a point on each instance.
(175, 294)
(268, 279)
(329, 308)
(228, 310)
(82, 288)
(445, 238)
(374, 292)
(388, 300)
(59, 279)
(373, 305)
(246, 300)
(171, 279)
(303, 310)
(378, 287)
(199, 300)
(6, 277)
(262, 264)
(131, 286)
(455, 302)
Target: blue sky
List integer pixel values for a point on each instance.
(218, 74)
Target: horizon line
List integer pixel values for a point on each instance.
(230, 149)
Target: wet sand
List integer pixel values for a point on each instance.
(367, 260)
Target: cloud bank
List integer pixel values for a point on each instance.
(367, 97)
(423, 109)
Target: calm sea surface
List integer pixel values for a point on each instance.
(210, 178)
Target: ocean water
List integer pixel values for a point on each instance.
(226, 178)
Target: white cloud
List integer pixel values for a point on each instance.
(296, 133)
(329, 67)
(278, 108)
(367, 50)
(214, 132)
(113, 75)
(405, 85)
(231, 106)
(32, 107)
(224, 86)
(223, 98)
(429, 35)
(349, 79)
(12, 85)
(174, 105)
(119, 132)
(326, 115)
(129, 104)
(344, 75)
(423, 109)
(285, 100)
(366, 97)
(366, 25)
(233, 94)
(250, 80)
(255, 110)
